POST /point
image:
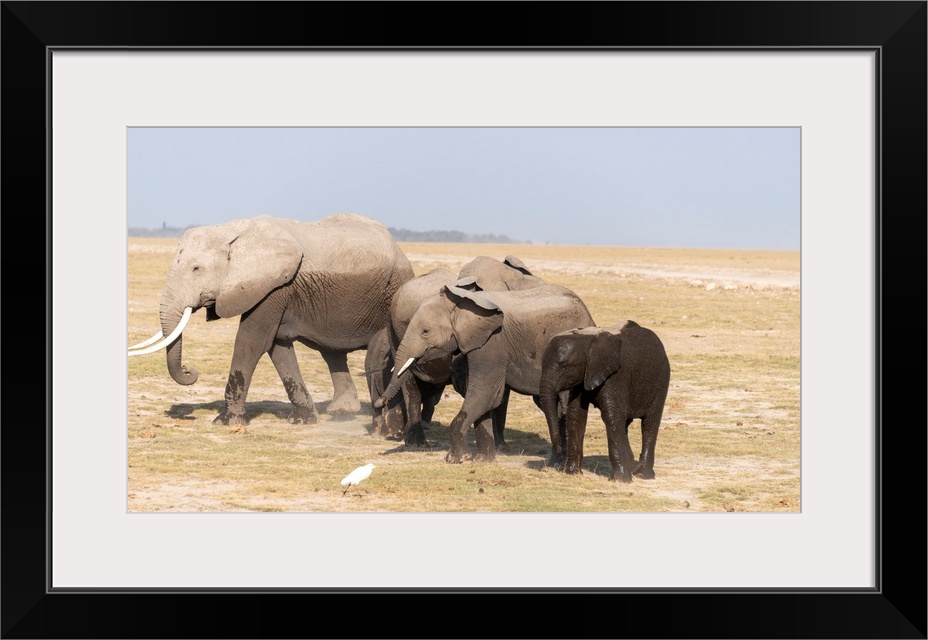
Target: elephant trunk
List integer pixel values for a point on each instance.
(395, 383)
(549, 393)
(170, 317)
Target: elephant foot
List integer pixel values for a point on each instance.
(344, 405)
(415, 437)
(644, 473)
(453, 457)
(573, 468)
(232, 419)
(556, 460)
(303, 415)
(625, 477)
(394, 427)
(485, 456)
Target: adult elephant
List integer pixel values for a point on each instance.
(326, 284)
(484, 273)
(623, 370)
(491, 274)
(502, 335)
(423, 389)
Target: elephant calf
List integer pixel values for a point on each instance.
(623, 370)
(390, 421)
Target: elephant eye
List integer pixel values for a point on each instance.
(425, 332)
(196, 268)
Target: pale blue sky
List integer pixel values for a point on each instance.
(732, 188)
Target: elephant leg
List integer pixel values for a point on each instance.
(414, 434)
(650, 425)
(388, 421)
(483, 396)
(393, 418)
(556, 416)
(431, 396)
(284, 358)
(574, 430)
(486, 442)
(615, 416)
(256, 332)
(345, 397)
(499, 421)
(548, 403)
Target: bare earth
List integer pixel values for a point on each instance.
(750, 416)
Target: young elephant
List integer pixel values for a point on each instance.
(623, 370)
(422, 390)
(502, 334)
(389, 420)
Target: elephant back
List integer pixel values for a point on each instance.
(350, 271)
(491, 274)
(643, 347)
(412, 293)
(562, 307)
(348, 243)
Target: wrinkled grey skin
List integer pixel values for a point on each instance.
(502, 334)
(510, 274)
(490, 274)
(423, 389)
(389, 420)
(623, 371)
(325, 284)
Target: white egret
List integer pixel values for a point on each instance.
(357, 476)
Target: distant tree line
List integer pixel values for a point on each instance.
(406, 235)
(401, 235)
(164, 232)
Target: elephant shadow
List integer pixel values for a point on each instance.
(522, 443)
(592, 465)
(519, 443)
(597, 465)
(253, 410)
(436, 434)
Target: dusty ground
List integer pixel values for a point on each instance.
(747, 414)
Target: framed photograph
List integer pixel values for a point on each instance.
(827, 98)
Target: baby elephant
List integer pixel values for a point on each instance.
(622, 370)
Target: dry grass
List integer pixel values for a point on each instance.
(729, 440)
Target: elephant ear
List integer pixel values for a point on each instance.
(517, 264)
(603, 358)
(474, 317)
(262, 257)
(469, 283)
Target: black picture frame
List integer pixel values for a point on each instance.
(896, 608)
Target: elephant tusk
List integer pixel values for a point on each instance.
(145, 343)
(171, 338)
(405, 366)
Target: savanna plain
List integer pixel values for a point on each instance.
(729, 440)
